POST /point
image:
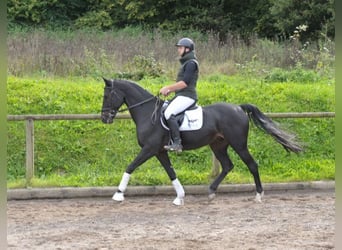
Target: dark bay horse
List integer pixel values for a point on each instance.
(224, 125)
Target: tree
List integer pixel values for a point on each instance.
(266, 18)
(317, 15)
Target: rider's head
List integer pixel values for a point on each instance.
(185, 45)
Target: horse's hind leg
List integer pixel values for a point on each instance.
(221, 155)
(253, 168)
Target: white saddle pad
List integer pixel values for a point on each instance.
(193, 120)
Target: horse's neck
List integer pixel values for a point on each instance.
(134, 95)
(143, 111)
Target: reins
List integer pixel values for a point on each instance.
(154, 113)
(137, 104)
(155, 110)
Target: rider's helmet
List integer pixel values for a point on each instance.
(187, 43)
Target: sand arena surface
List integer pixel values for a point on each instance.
(285, 220)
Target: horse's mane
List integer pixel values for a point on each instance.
(132, 86)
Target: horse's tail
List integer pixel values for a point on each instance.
(287, 140)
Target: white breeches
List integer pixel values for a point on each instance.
(178, 105)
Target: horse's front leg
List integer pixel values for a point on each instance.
(165, 161)
(143, 156)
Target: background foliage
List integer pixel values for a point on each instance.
(134, 53)
(267, 18)
(279, 55)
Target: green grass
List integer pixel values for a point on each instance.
(89, 153)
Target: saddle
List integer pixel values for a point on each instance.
(190, 119)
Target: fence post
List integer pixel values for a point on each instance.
(29, 151)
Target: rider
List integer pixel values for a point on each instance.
(184, 88)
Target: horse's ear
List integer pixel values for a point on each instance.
(107, 82)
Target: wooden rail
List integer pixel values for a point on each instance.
(30, 131)
(127, 116)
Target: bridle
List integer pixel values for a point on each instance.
(112, 111)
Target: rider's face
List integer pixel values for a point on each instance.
(180, 50)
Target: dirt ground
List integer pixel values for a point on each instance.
(292, 220)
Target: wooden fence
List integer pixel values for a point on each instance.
(31, 118)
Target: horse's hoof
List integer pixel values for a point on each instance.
(211, 196)
(118, 196)
(178, 201)
(258, 197)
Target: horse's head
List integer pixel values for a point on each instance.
(112, 101)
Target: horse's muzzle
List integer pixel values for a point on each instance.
(107, 117)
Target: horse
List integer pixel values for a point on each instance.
(224, 125)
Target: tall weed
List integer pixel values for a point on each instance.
(94, 53)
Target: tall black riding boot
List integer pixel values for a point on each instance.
(174, 129)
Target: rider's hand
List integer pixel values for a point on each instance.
(165, 91)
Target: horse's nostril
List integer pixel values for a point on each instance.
(104, 118)
(107, 119)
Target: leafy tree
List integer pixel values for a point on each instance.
(267, 18)
(317, 15)
(42, 12)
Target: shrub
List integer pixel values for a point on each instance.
(299, 75)
(142, 66)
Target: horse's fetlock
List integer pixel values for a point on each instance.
(212, 190)
(118, 196)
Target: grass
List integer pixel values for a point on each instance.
(89, 153)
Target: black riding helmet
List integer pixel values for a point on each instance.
(187, 43)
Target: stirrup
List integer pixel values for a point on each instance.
(174, 147)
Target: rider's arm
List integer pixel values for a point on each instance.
(173, 87)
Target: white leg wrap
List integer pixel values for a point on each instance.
(178, 201)
(179, 188)
(211, 196)
(124, 182)
(258, 196)
(119, 196)
(180, 193)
